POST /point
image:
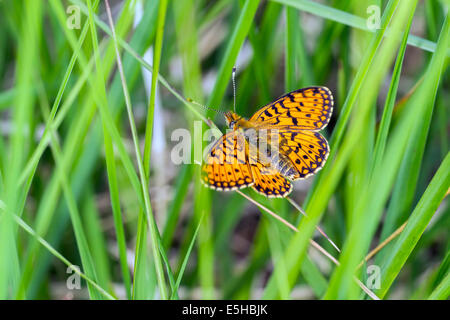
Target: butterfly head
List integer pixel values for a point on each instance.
(232, 119)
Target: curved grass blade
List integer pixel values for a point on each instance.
(349, 19)
(185, 260)
(110, 160)
(232, 49)
(417, 223)
(15, 155)
(333, 170)
(143, 176)
(53, 251)
(442, 291)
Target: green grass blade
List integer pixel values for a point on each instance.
(173, 213)
(96, 240)
(234, 44)
(390, 102)
(110, 159)
(156, 62)
(348, 19)
(424, 209)
(333, 169)
(276, 250)
(44, 243)
(21, 120)
(143, 176)
(185, 260)
(290, 72)
(374, 192)
(52, 250)
(442, 291)
(50, 199)
(417, 223)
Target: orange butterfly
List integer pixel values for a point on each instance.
(279, 142)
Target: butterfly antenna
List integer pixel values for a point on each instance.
(234, 88)
(204, 107)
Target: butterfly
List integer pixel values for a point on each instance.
(280, 143)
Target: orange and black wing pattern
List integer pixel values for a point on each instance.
(227, 166)
(270, 182)
(306, 150)
(293, 121)
(304, 109)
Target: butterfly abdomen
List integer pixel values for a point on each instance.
(284, 166)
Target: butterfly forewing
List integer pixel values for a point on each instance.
(304, 109)
(227, 166)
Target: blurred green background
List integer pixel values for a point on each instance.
(93, 207)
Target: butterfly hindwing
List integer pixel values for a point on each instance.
(227, 166)
(304, 109)
(269, 182)
(307, 150)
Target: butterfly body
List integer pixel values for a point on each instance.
(278, 143)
